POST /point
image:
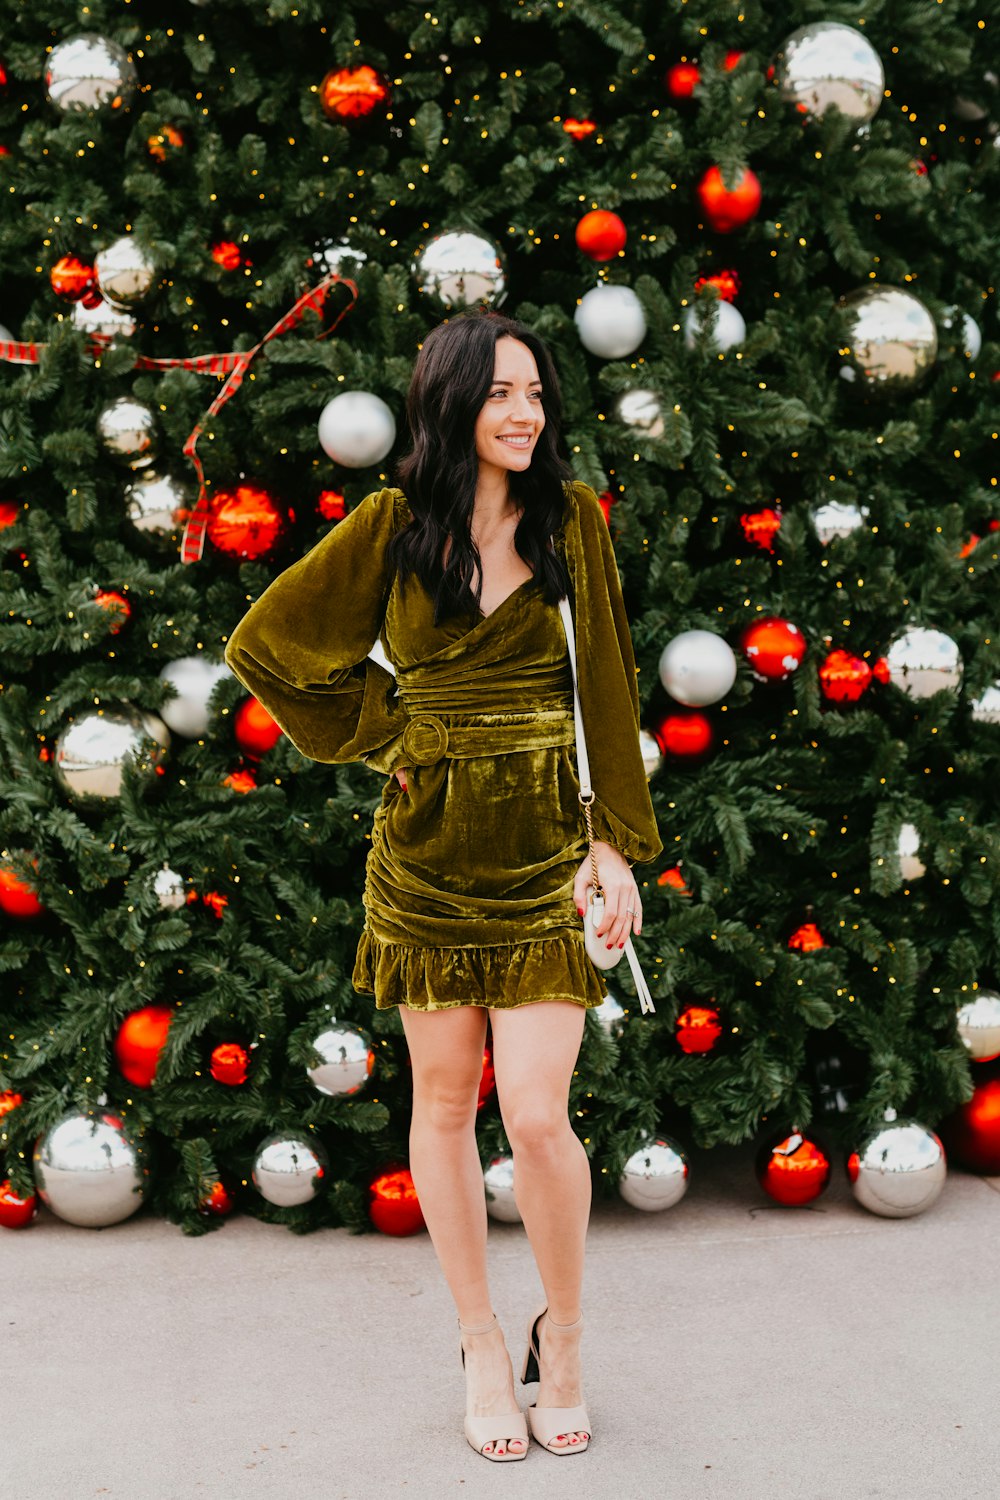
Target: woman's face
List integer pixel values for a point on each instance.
(511, 417)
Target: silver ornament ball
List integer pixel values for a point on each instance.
(346, 1060)
(979, 1025)
(610, 321)
(91, 1169)
(725, 323)
(911, 866)
(609, 1015)
(89, 73)
(655, 1176)
(986, 708)
(169, 889)
(640, 409)
(891, 337)
(341, 259)
(837, 518)
(697, 667)
(652, 755)
(289, 1169)
(459, 268)
(899, 1169)
(357, 429)
(962, 333)
(827, 64)
(127, 430)
(195, 678)
(498, 1179)
(923, 662)
(125, 272)
(103, 321)
(92, 752)
(158, 505)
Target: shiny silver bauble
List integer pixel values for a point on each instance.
(979, 1025)
(911, 866)
(89, 72)
(610, 321)
(127, 430)
(459, 268)
(652, 755)
(103, 320)
(923, 662)
(341, 259)
(891, 338)
(986, 708)
(697, 667)
(827, 64)
(345, 1060)
(357, 429)
(171, 894)
(91, 1169)
(640, 409)
(725, 324)
(91, 753)
(289, 1169)
(899, 1169)
(962, 334)
(655, 1176)
(125, 273)
(498, 1179)
(609, 1015)
(195, 678)
(837, 518)
(158, 504)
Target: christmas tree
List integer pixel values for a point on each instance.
(786, 406)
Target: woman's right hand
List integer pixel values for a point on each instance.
(400, 775)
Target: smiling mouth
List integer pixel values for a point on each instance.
(516, 442)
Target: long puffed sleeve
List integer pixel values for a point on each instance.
(302, 648)
(622, 810)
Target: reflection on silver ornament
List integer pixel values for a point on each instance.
(90, 72)
(891, 337)
(346, 1060)
(498, 1179)
(610, 1015)
(338, 259)
(460, 268)
(911, 866)
(655, 1176)
(986, 708)
(923, 662)
(90, 1169)
(91, 753)
(827, 64)
(195, 679)
(725, 324)
(125, 272)
(697, 667)
(652, 755)
(899, 1169)
(837, 519)
(103, 320)
(127, 430)
(288, 1170)
(979, 1025)
(640, 409)
(357, 429)
(158, 504)
(610, 321)
(169, 888)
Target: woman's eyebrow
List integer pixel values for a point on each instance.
(510, 382)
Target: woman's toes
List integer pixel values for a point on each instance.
(488, 1448)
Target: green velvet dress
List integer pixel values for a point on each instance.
(469, 879)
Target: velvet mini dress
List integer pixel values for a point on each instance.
(468, 892)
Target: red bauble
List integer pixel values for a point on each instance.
(230, 1063)
(227, 255)
(256, 732)
(726, 283)
(9, 1100)
(168, 138)
(807, 938)
(727, 210)
(675, 880)
(332, 505)
(17, 896)
(792, 1168)
(16, 1212)
(393, 1207)
(219, 1201)
(601, 234)
(71, 277)
(774, 648)
(682, 79)
(698, 1028)
(579, 129)
(843, 677)
(972, 1132)
(487, 1082)
(761, 527)
(10, 512)
(245, 522)
(240, 781)
(117, 607)
(880, 671)
(353, 93)
(140, 1040)
(607, 501)
(685, 735)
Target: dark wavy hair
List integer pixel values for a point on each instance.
(438, 474)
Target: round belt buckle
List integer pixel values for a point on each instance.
(425, 739)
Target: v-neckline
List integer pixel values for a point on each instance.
(504, 601)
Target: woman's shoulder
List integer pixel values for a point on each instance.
(388, 502)
(581, 501)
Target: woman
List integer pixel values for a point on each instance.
(478, 854)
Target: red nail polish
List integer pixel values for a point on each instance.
(621, 945)
(611, 945)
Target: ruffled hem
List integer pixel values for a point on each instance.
(500, 977)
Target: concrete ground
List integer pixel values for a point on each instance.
(733, 1350)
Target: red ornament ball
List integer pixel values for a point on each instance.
(682, 80)
(230, 1063)
(218, 1201)
(774, 648)
(726, 283)
(71, 277)
(972, 1132)
(256, 732)
(488, 1081)
(601, 235)
(728, 209)
(9, 1100)
(245, 522)
(685, 734)
(240, 781)
(10, 512)
(761, 527)
(17, 896)
(15, 1212)
(165, 140)
(353, 93)
(807, 938)
(698, 1028)
(117, 607)
(227, 255)
(843, 677)
(332, 505)
(140, 1040)
(393, 1207)
(792, 1169)
(675, 880)
(579, 129)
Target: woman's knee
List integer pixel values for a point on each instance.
(447, 1103)
(536, 1127)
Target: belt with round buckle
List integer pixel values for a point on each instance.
(425, 740)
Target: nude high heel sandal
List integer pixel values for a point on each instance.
(548, 1422)
(504, 1428)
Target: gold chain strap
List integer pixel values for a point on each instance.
(585, 803)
